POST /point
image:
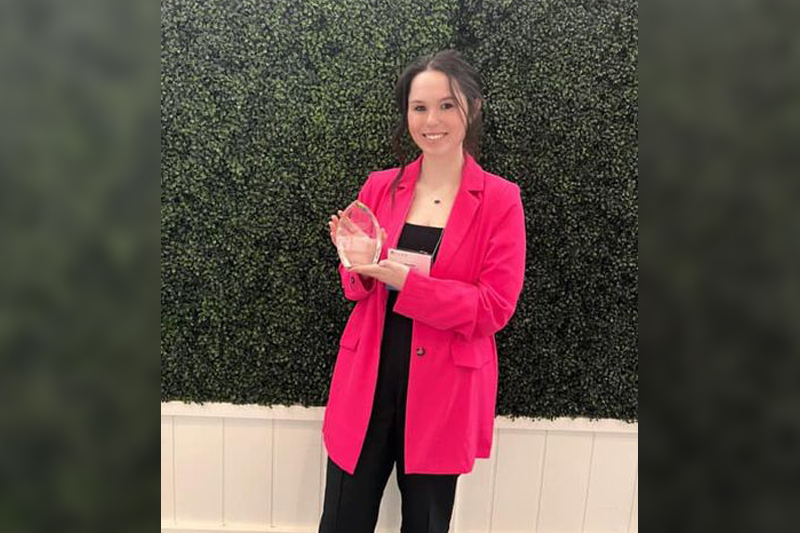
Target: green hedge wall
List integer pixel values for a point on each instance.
(272, 116)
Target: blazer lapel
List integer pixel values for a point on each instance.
(466, 204)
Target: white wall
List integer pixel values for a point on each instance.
(249, 468)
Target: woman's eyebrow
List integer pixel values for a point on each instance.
(442, 100)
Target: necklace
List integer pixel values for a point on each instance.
(438, 201)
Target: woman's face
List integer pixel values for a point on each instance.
(435, 122)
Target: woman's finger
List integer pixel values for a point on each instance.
(332, 225)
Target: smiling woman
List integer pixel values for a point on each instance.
(415, 382)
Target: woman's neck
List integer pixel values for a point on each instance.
(441, 171)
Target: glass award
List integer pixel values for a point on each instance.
(358, 237)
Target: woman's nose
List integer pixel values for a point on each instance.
(432, 118)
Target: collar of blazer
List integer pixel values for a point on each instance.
(466, 203)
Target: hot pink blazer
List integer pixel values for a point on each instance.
(470, 295)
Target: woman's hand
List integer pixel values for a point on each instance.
(333, 224)
(388, 271)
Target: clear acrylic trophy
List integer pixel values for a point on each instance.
(358, 237)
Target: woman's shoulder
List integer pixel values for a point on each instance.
(499, 183)
(384, 175)
(501, 193)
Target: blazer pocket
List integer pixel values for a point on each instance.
(352, 331)
(472, 354)
(350, 341)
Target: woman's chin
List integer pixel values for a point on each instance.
(439, 151)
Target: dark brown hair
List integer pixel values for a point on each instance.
(468, 81)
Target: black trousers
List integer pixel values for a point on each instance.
(352, 502)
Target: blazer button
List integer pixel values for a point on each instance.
(420, 351)
(352, 280)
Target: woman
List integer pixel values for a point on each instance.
(415, 380)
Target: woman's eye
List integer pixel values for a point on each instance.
(444, 106)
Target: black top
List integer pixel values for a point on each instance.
(418, 239)
(396, 344)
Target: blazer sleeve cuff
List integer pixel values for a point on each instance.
(412, 294)
(354, 287)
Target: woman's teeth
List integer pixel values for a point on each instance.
(434, 137)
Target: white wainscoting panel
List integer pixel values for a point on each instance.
(565, 481)
(198, 469)
(296, 474)
(613, 473)
(520, 465)
(246, 468)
